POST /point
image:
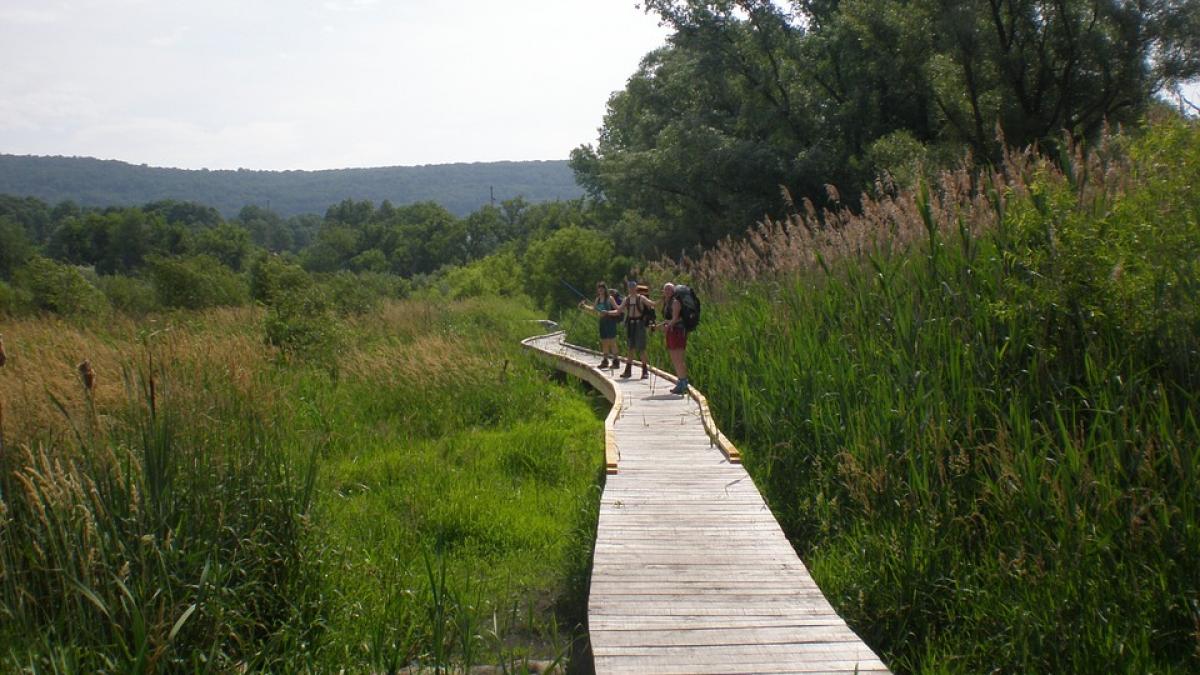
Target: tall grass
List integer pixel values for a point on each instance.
(212, 503)
(974, 407)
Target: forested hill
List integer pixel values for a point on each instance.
(460, 188)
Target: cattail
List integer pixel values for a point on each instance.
(88, 375)
(3, 356)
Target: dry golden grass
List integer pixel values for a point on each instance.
(45, 356)
(412, 351)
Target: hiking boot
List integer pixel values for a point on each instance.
(681, 387)
(628, 370)
(645, 373)
(604, 363)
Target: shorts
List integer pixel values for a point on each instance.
(637, 336)
(608, 329)
(677, 337)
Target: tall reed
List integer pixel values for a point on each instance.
(974, 406)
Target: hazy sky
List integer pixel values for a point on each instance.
(312, 84)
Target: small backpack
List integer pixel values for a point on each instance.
(690, 314)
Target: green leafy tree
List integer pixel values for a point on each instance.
(272, 277)
(226, 242)
(192, 215)
(335, 245)
(267, 229)
(32, 214)
(15, 247)
(573, 255)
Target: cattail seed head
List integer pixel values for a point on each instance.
(88, 375)
(3, 356)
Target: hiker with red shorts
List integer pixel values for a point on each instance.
(676, 332)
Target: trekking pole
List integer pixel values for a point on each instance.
(574, 290)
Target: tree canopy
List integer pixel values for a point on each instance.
(753, 103)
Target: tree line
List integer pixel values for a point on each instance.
(68, 259)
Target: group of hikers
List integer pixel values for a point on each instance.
(638, 312)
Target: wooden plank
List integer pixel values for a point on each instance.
(644, 666)
(730, 635)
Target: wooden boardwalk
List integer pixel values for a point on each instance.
(691, 572)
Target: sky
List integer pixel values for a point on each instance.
(313, 84)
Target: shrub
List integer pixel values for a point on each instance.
(131, 295)
(58, 288)
(497, 274)
(303, 326)
(355, 294)
(197, 282)
(272, 277)
(13, 301)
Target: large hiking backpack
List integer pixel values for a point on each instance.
(690, 315)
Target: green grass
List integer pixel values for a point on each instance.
(426, 500)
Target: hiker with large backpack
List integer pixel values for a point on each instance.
(681, 309)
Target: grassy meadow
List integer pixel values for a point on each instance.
(416, 494)
(975, 408)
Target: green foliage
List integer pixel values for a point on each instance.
(15, 247)
(900, 157)
(58, 288)
(273, 278)
(498, 274)
(32, 214)
(989, 439)
(355, 294)
(13, 301)
(230, 244)
(303, 325)
(133, 295)
(196, 282)
(268, 230)
(573, 255)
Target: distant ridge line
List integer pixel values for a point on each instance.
(460, 187)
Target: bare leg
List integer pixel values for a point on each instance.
(678, 362)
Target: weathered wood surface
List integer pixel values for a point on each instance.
(691, 572)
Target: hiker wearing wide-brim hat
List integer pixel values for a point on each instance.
(638, 310)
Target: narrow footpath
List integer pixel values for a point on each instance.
(691, 572)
